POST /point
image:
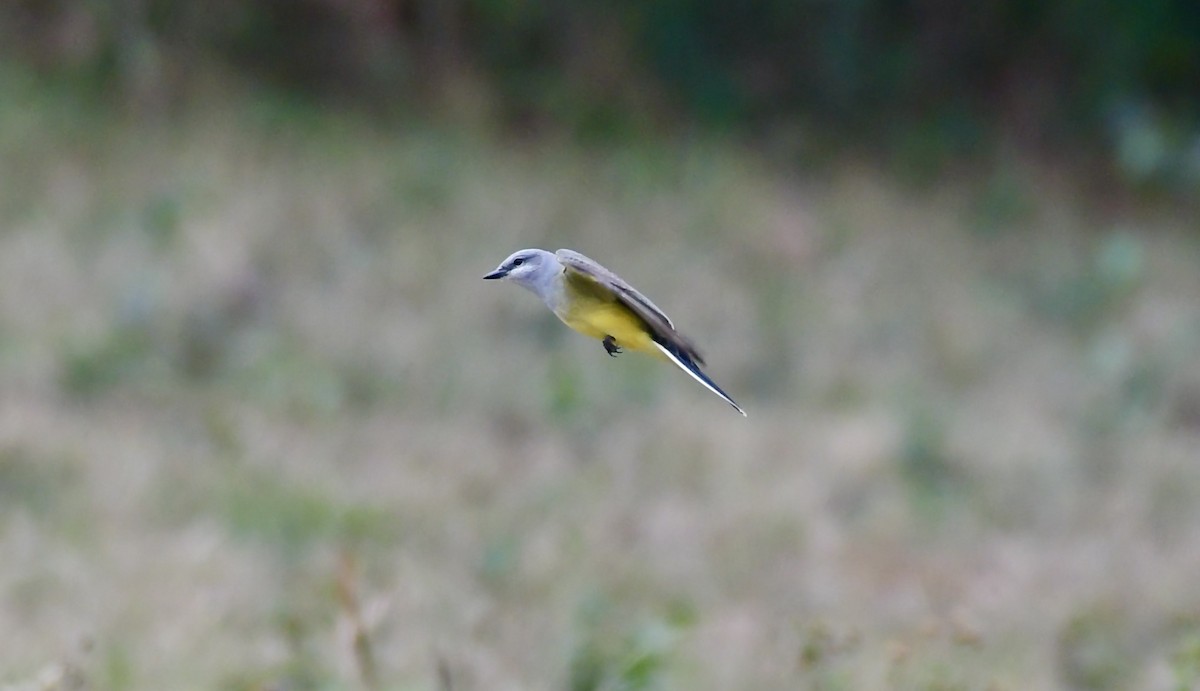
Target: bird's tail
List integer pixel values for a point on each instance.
(687, 364)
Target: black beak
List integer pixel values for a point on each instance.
(498, 273)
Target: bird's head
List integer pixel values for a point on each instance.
(526, 267)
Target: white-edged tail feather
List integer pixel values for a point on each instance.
(691, 368)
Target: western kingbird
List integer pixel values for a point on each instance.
(595, 302)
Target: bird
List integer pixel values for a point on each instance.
(598, 303)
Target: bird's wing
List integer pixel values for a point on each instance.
(659, 323)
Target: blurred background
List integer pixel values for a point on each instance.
(263, 427)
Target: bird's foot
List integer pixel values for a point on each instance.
(611, 347)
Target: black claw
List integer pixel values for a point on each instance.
(611, 347)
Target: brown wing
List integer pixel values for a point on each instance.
(659, 323)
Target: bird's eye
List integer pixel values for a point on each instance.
(518, 261)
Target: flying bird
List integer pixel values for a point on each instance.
(596, 302)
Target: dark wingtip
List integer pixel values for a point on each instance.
(691, 363)
(681, 347)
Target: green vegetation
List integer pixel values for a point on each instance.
(928, 85)
(262, 425)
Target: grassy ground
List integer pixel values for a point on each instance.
(263, 427)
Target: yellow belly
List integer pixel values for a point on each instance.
(600, 318)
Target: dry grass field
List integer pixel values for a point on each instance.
(263, 427)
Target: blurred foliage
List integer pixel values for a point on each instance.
(260, 506)
(933, 479)
(929, 80)
(31, 483)
(1097, 649)
(241, 342)
(1186, 661)
(633, 658)
(1085, 293)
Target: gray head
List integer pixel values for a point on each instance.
(531, 268)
